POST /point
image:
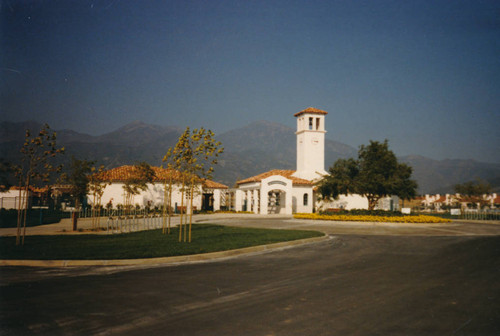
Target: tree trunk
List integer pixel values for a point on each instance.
(74, 216)
(19, 215)
(169, 209)
(25, 208)
(191, 210)
(372, 202)
(164, 210)
(182, 205)
(74, 219)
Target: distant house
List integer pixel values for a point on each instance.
(293, 191)
(439, 202)
(494, 200)
(208, 194)
(35, 196)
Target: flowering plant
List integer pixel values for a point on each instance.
(372, 218)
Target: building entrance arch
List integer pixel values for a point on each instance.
(276, 201)
(276, 195)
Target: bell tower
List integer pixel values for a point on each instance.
(310, 143)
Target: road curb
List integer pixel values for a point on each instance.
(162, 260)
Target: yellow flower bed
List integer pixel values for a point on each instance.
(232, 212)
(359, 218)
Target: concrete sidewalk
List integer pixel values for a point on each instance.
(65, 226)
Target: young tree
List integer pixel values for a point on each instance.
(193, 156)
(38, 153)
(205, 152)
(137, 182)
(97, 184)
(181, 157)
(167, 190)
(376, 174)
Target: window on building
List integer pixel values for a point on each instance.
(310, 123)
(317, 124)
(306, 199)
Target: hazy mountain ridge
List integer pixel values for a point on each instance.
(249, 150)
(440, 176)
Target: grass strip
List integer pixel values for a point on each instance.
(144, 244)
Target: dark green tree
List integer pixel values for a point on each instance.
(341, 180)
(6, 172)
(473, 191)
(375, 174)
(78, 178)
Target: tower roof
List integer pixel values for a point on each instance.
(310, 110)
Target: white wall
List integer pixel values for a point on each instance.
(345, 202)
(298, 199)
(154, 194)
(10, 199)
(354, 201)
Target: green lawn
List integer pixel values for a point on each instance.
(145, 244)
(8, 218)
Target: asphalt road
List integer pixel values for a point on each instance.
(352, 284)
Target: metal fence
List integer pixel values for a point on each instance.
(88, 212)
(473, 214)
(120, 224)
(468, 214)
(121, 220)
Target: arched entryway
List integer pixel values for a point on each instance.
(276, 195)
(276, 201)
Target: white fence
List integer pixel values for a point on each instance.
(121, 224)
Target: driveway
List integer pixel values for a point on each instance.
(455, 228)
(440, 280)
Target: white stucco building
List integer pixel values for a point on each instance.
(292, 191)
(208, 195)
(9, 199)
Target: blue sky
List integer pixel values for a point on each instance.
(423, 74)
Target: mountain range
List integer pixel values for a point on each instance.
(248, 151)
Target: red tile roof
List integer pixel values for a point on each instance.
(123, 173)
(284, 173)
(214, 185)
(310, 110)
(441, 199)
(34, 189)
